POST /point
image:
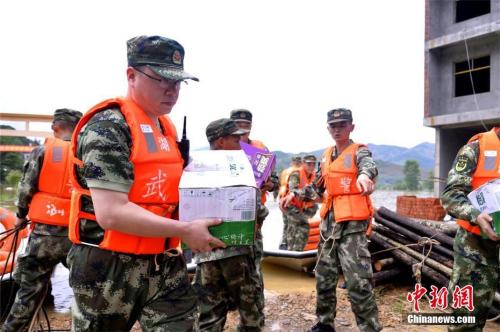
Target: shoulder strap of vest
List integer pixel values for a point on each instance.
(168, 126)
(85, 118)
(48, 145)
(477, 137)
(328, 152)
(303, 176)
(356, 146)
(49, 140)
(326, 159)
(353, 148)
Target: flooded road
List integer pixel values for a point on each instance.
(63, 295)
(280, 279)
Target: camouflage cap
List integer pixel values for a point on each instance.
(162, 55)
(241, 115)
(297, 159)
(339, 115)
(309, 158)
(67, 115)
(221, 128)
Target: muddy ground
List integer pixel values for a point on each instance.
(294, 311)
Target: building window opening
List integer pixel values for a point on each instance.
(467, 9)
(479, 68)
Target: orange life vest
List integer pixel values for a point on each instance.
(257, 144)
(157, 171)
(260, 145)
(304, 181)
(51, 204)
(342, 193)
(7, 244)
(485, 170)
(284, 180)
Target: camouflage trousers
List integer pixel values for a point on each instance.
(349, 251)
(285, 228)
(258, 276)
(32, 273)
(298, 227)
(476, 263)
(258, 252)
(224, 284)
(113, 291)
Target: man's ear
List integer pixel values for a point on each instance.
(219, 143)
(131, 74)
(55, 128)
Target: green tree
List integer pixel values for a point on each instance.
(13, 177)
(400, 185)
(411, 171)
(12, 160)
(429, 182)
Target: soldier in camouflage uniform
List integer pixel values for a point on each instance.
(296, 164)
(115, 289)
(227, 278)
(48, 244)
(243, 119)
(299, 204)
(476, 257)
(344, 244)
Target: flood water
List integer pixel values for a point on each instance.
(276, 278)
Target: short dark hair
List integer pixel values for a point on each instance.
(65, 124)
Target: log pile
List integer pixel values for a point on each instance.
(413, 241)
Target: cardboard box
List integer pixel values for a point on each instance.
(486, 198)
(262, 161)
(220, 184)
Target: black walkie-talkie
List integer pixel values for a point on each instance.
(184, 145)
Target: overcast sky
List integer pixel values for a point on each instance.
(288, 62)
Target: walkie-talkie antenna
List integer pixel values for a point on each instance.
(184, 144)
(184, 129)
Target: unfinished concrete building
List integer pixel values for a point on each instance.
(462, 76)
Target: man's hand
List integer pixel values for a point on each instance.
(365, 184)
(484, 221)
(285, 201)
(21, 222)
(268, 185)
(198, 238)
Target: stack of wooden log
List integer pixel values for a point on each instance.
(413, 239)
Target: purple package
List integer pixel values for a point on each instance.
(262, 162)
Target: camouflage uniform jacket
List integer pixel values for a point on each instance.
(104, 146)
(28, 187)
(306, 194)
(458, 185)
(365, 165)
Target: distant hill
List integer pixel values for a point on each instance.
(390, 160)
(423, 153)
